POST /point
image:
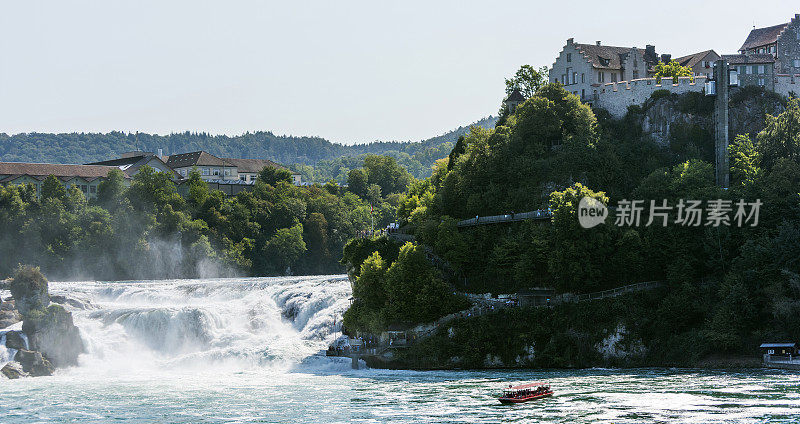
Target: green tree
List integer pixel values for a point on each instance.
(387, 173)
(672, 70)
(53, 189)
(357, 181)
(272, 175)
(110, 190)
(285, 247)
(578, 254)
(527, 80)
(781, 137)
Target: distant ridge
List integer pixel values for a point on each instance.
(79, 148)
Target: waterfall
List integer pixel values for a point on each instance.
(239, 323)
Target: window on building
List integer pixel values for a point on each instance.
(92, 189)
(583, 94)
(583, 78)
(574, 77)
(569, 57)
(227, 172)
(797, 61)
(748, 69)
(601, 76)
(760, 69)
(243, 177)
(216, 171)
(635, 74)
(771, 351)
(613, 77)
(205, 171)
(563, 79)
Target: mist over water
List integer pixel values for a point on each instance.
(248, 350)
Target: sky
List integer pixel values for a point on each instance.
(347, 71)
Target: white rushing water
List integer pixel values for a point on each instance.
(230, 323)
(247, 350)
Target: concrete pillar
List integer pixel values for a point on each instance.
(721, 124)
(354, 364)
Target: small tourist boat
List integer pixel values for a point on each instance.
(525, 393)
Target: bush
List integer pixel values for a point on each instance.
(660, 94)
(29, 289)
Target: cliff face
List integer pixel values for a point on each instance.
(676, 119)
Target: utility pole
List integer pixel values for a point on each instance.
(722, 80)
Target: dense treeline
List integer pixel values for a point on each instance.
(317, 159)
(728, 287)
(148, 230)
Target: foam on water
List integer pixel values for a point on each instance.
(237, 323)
(246, 350)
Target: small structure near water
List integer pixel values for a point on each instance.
(782, 355)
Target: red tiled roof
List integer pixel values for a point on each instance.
(199, 158)
(605, 57)
(42, 170)
(740, 59)
(762, 36)
(693, 59)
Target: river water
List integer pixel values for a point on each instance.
(247, 350)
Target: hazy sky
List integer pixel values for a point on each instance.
(344, 70)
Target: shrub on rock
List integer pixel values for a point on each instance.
(29, 288)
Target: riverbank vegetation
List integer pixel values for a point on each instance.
(149, 230)
(727, 287)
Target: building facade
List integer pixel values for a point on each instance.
(701, 63)
(86, 178)
(753, 69)
(213, 168)
(130, 163)
(583, 69)
(782, 42)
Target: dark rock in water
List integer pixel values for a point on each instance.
(14, 340)
(8, 304)
(13, 370)
(63, 300)
(52, 332)
(9, 318)
(34, 363)
(29, 288)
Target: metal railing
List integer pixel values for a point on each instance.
(647, 285)
(512, 217)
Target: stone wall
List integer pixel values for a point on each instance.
(789, 48)
(787, 84)
(617, 97)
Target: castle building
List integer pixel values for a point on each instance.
(753, 69)
(782, 42)
(583, 69)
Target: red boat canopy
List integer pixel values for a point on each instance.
(527, 386)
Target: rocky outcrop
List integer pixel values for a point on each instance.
(50, 329)
(691, 115)
(34, 363)
(75, 303)
(15, 340)
(9, 314)
(13, 370)
(29, 289)
(53, 333)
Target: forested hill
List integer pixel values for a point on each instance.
(89, 147)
